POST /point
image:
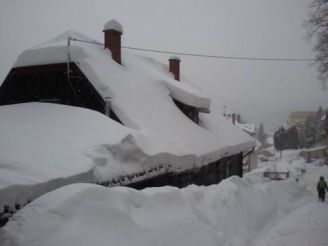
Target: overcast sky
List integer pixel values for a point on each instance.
(259, 91)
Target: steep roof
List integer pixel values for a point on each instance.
(140, 93)
(104, 73)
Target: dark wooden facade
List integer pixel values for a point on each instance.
(212, 173)
(49, 83)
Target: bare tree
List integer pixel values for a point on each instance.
(317, 29)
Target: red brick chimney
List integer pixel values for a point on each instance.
(113, 31)
(233, 118)
(175, 67)
(238, 118)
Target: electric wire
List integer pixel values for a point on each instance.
(211, 56)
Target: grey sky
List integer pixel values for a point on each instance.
(260, 91)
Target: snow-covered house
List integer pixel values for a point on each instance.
(152, 127)
(250, 157)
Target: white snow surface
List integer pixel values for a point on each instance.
(46, 145)
(113, 25)
(173, 57)
(250, 211)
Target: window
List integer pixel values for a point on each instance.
(189, 111)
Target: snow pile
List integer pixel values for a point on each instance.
(236, 212)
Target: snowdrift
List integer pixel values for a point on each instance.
(235, 212)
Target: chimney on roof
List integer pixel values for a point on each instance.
(113, 31)
(238, 118)
(174, 62)
(233, 118)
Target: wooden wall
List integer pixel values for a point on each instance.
(212, 173)
(48, 83)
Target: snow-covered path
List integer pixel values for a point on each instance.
(307, 223)
(306, 226)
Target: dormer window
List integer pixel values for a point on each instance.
(189, 111)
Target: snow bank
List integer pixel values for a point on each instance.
(231, 213)
(237, 212)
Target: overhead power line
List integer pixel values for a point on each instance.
(224, 57)
(211, 56)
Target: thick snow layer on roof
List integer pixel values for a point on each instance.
(187, 94)
(41, 142)
(262, 212)
(113, 25)
(226, 131)
(103, 72)
(140, 93)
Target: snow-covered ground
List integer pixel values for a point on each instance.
(239, 211)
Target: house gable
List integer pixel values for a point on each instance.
(49, 83)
